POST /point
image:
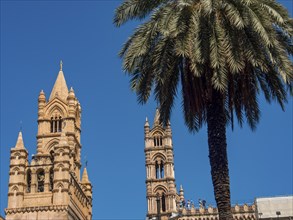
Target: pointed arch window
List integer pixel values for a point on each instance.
(15, 170)
(14, 190)
(158, 141)
(41, 180)
(159, 170)
(28, 181)
(56, 124)
(161, 202)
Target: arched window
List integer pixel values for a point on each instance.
(163, 203)
(158, 203)
(56, 124)
(28, 181)
(159, 170)
(51, 179)
(15, 170)
(41, 180)
(17, 155)
(158, 141)
(162, 170)
(14, 190)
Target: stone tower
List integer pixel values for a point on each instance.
(49, 187)
(163, 201)
(160, 176)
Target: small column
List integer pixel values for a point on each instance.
(47, 180)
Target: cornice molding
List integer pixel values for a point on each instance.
(58, 208)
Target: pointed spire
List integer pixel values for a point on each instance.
(61, 65)
(181, 193)
(71, 94)
(19, 142)
(60, 88)
(42, 97)
(157, 117)
(146, 122)
(146, 127)
(85, 178)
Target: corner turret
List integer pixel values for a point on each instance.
(41, 104)
(18, 162)
(87, 188)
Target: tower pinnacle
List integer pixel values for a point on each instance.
(157, 118)
(19, 142)
(61, 65)
(146, 122)
(85, 178)
(60, 88)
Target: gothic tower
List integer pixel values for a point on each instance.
(160, 176)
(49, 187)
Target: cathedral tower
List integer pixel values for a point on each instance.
(160, 176)
(49, 187)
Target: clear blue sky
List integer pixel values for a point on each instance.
(35, 35)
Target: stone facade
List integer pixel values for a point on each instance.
(50, 187)
(163, 201)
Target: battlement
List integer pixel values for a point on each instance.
(211, 213)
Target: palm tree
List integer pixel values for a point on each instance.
(223, 53)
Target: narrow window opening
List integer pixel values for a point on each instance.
(158, 204)
(60, 124)
(41, 180)
(28, 181)
(51, 179)
(162, 170)
(52, 125)
(163, 203)
(56, 125)
(157, 170)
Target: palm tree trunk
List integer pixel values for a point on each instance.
(216, 121)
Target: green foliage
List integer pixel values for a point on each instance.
(240, 48)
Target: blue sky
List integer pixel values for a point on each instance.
(36, 35)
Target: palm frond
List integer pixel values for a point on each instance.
(131, 9)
